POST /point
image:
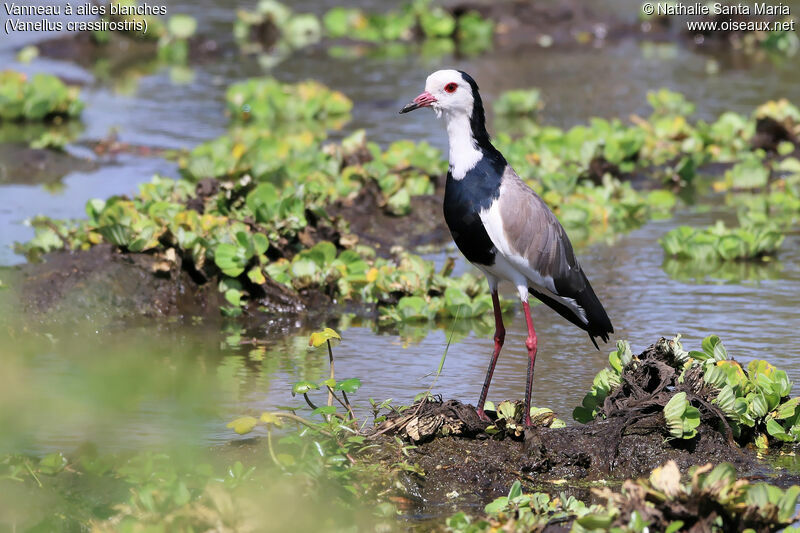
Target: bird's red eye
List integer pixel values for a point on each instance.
(451, 87)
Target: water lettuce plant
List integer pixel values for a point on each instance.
(173, 44)
(526, 102)
(666, 144)
(660, 502)
(41, 97)
(755, 400)
(242, 215)
(254, 204)
(274, 28)
(719, 242)
(268, 101)
(419, 17)
(521, 512)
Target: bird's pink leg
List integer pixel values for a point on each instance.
(499, 338)
(530, 343)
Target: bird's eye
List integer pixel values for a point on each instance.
(450, 87)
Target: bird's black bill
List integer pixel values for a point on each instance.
(411, 106)
(423, 100)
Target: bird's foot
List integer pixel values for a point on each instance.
(483, 416)
(528, 422)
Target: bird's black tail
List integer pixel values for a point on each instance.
(599, 325)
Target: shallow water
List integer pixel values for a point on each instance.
(222, 377)
(754, 318)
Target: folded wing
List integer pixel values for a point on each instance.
(534, 241)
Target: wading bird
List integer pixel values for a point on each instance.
(502, 226)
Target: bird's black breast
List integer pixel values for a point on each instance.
(464, 199)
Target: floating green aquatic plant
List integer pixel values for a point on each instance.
(661, 502)
(666, 145)
(173, 45)
(719, 242)
(754, 400)
(521, 512)
(266, 101)
(417, 17)
(519, 102)
(275, 29)
(37, 98)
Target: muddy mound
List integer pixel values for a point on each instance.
(367, 219)
(480, 467)
(629, 437)
(104, 284)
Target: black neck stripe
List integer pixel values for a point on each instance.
(477, 120)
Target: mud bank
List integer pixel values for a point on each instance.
(367, 219)
(480, 468)
(459, 459)
(20, 164)
(102, 284)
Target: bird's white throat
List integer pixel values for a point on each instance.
(464, 151)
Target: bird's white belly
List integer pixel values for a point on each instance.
(510, 265)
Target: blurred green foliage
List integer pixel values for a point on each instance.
(37, 98)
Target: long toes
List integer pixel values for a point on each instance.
(483, 416)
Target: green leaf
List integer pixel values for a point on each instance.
(595, 521)
(349, 386)
(673, 413)
(302, 387)
(181, 26)
(722, 474)
(777, 431)
(496, 506)
(582, 414)
(788, 503)
(243, 425)
(234, 297)
(674, 526)
(788, 408)
(712, 346)
(318, 338)
(507, 410)
(230, 258)
(52, 464)
(757, 405)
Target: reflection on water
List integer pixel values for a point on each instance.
(722, 271)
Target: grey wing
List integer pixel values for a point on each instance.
(534, 233)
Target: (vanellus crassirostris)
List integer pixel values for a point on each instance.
(502, 226)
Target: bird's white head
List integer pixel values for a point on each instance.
(448, 92)
(455, 95)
